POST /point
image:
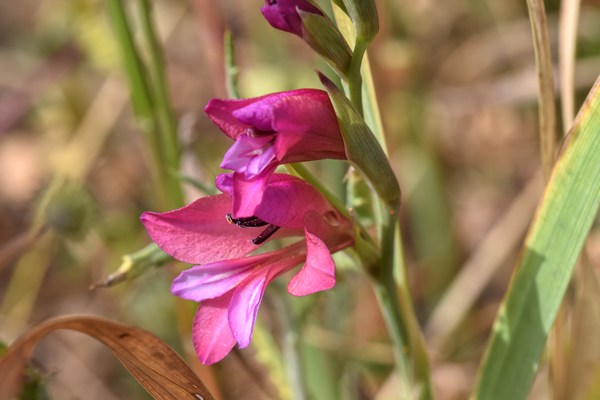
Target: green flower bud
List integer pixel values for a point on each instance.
(363, 14)
(362, 147)
(324, 37)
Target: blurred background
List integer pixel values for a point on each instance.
(457, 88)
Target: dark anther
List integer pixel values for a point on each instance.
(246, 222)
(264, 235)
(254, 222)
(271, 2)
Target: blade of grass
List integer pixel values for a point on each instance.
(554, 241)
(232, 71)
(167, 125)
(543, 63)
(150, 101)
(476, 273)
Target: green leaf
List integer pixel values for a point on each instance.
(553, 244)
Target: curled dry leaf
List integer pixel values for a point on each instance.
(150, 360)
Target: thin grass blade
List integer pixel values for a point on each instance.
(553, 244)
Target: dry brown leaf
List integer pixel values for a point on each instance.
(150, 360)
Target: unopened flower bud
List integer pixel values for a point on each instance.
(363, 14)
(362, 147)
(306, 20)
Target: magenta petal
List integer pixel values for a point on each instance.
(307, 128)
(247, 297)
(199, 233)
(248, 194)
(245, 302)
(224, 182)
(283, 14)
(221, 113)
(211, 334)
(286, 201)
(259, 114)
(318, 272)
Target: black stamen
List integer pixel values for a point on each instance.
(264, 235)
(246, 222)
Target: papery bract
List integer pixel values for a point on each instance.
(229, 283)
(285, 127)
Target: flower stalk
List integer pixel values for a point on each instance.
(390, 274)
(150, 99)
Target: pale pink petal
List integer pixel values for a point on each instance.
(247, 297)
(318, 272)
(249, 155)
(199, 233)
(244, 307)
(212, 280)
(211, 334)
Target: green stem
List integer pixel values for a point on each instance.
(395, 300)
(354, 75)
(167, 129)
(291, 345)
(150, 101)
(140, 90)
(231, 70)
(305, 174)
(363, 243)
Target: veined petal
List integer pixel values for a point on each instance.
(211, 334)
(199, 233)
(318, 272)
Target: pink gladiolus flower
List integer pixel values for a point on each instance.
(228, 281)
(285, 127)
(283, 14)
